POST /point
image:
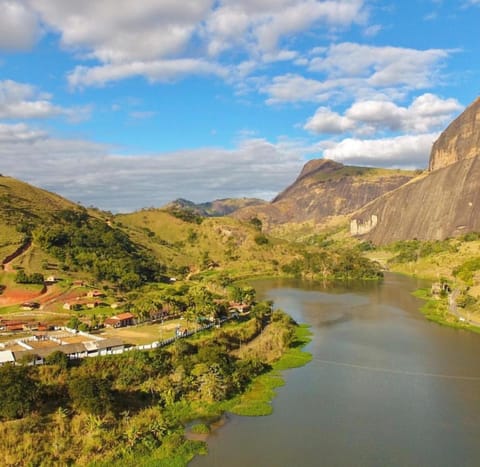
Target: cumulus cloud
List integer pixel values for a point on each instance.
(406, 151)
(24, 101)
(19, 28)
(158, 70)
(296, 88)
(144, 37)
(93, 174)
(349, 70)
(426, 113)
(328, 122)
(119, 31)
(380, 66)
(17, 134)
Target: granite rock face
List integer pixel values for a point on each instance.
(444, 203)
(460, 140)
(325, 189)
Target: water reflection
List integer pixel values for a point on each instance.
(385, 386)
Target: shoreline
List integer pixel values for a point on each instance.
(257, 400)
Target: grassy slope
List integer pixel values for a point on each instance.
(20, 204)
(229, 243)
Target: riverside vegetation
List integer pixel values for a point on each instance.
(131, 409)
(452, 265)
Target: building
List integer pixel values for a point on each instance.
(120, 321)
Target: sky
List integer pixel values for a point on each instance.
(126, 104)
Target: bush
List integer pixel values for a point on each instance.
(261, 239)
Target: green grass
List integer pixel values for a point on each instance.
(257, 400)
(436, 310)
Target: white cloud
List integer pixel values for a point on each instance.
(18, 26)
(296, 88)
(358, 71)
(373, 30)
(426, 113)
(24, 101)
(159, 70)
(138, 36)
(381, 66)
(407, 151)
(17, 134)
(119, 31)
(91, 173)
(327, 122)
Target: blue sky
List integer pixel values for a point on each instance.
(125, 105)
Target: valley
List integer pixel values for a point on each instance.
(139, 324)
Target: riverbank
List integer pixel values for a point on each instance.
(257, 399)
(437, 310)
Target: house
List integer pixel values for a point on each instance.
(120, 321)
(95, 294)
(240, 307)
(104, 346)
(29, 306)
(51, 280)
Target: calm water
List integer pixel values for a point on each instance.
(385, 388)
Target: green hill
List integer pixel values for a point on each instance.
(193, 244)
(22, 207)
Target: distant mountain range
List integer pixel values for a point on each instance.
(324, 192)
(381, 205)
(217, 208)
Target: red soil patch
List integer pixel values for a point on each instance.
(15, 297)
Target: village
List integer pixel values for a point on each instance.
(26, 340)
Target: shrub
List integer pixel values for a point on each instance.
(261, 239)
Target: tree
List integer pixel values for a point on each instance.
(18, 392)
(57, 358)
(91, 394)
(257, 223)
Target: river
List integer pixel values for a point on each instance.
(385, 386)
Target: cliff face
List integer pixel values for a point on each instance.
(461, 139)
(444, 203)
(325, 189)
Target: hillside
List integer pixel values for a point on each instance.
(444, 203)
(208, 244)
(325, 191)
(217, 208)
(23, 206)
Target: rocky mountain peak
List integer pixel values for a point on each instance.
(316, 165)
(459, 141)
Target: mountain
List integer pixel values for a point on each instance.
(324, 191)
(217, 208)
(460, 140)
(443, 203)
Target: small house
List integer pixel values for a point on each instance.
(120, 321)
(95, 294)
(29, 306)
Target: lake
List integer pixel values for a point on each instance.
(385, 387)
